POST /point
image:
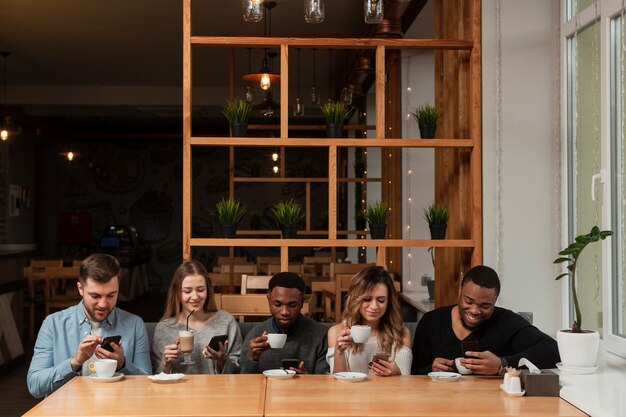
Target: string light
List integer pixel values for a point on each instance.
(70, 156)
(274, 157)
(275, 169)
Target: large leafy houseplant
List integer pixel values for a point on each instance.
(571, 254)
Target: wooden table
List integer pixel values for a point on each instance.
(194, 395)
(322, 395)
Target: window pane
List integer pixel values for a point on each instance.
(619, 169)
(580, 5)
(585, 163)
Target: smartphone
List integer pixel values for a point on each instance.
(290, 363)
(106, 342)
(381, 355)
(469, 345)
(215, 340)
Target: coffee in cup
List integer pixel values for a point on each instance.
(276, 340)
(360, 333)
(462, 370)
(105, 368)
(185, 338)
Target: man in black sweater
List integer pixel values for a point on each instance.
(306, 339)
(503, 336)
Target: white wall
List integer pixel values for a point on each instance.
(526, 242)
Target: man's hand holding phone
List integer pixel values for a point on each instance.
(111, 348)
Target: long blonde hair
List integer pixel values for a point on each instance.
(390, 327)
(173, 305)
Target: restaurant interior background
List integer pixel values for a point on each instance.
(105, 79)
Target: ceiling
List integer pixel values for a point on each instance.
(116, 59)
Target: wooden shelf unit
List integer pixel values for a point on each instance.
(381, 46)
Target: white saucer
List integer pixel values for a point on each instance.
(444, 376)
(576, 370)
(164, 378)
(350, 376)
(513, 393)
(279, 373)
(116, 377)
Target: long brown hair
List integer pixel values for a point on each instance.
(173, 305)
(390, 327)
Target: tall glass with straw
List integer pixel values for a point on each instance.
(185, 338)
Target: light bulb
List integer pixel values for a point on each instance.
(274, 157)
(275, 169)
(4, 134)
(265, 82)
(315, 96)
(70, 156)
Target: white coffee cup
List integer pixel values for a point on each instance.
(360, 333)
(276, 340)
(462, 370)
(105, 367)
(514, 384)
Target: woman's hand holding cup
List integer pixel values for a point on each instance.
(171, 354)
(344, 339)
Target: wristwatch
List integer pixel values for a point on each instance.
(503, 365)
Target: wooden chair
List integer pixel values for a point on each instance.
(255, 283)
(221, 282)
(242, 305)
(238, 269)
(295, 268)
(35, 275)
(61, 289)
(226, 260)
(264, 262)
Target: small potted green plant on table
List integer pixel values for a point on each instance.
(426, 117)
(289, 214)
(437, 216)
(335, 113)
(376, 216)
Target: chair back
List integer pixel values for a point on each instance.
(61, 289)
(238, 269)
(226, 260)
(255, 282)
(275, 269)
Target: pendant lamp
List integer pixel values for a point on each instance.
(315, 94)
(373, 10)
(265, 76)
(314, 11)
(252, 10)
(298, 107)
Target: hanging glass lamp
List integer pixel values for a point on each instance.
(314, 11)
(373, 10)
(252, 10)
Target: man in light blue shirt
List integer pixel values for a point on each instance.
(69, 340)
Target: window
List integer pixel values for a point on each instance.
(596, 159)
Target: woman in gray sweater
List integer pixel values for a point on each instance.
(190, 302)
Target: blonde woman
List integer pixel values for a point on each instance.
(190, 295)
(372, 301)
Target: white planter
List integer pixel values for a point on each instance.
(578, 349)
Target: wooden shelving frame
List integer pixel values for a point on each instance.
(471, 144)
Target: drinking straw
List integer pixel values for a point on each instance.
(188, 319)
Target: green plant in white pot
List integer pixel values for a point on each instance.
(578, 348)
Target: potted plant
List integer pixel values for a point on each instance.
(376, 216)
(578, 347)
(289, 214)
(437, 216)
(336, 113)
(228, 213)
(237, 112)
(426, 117)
